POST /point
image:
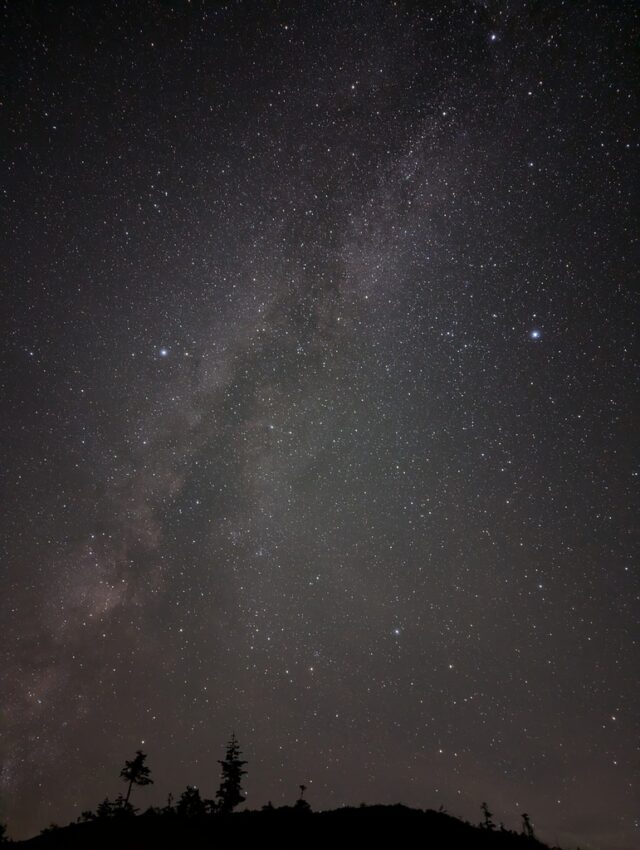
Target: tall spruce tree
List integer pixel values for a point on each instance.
(230, 791)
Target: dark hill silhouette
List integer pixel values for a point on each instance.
(197, 822)
(296, 825)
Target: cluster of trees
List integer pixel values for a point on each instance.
(488, 823)
(230, 794)
(191, 804)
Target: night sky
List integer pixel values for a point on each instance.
(318, 391)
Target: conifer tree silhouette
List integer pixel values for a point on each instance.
(527, 826)
(169, 809)
(135, 772)
(105, 808)
(191, 804)
(488, 822)
(230, 791)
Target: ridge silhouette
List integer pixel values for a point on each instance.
(197, 822)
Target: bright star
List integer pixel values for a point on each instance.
(164, 352)
(535, 334)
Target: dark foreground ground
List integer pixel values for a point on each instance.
(391, 825)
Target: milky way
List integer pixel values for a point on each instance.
(318, 389)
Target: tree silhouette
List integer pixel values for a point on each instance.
(191, 804)
(301, 804)
(488, 822)
(527, 826)
(135, 773)
(168, 809)
(110, 809)
(230, 791)
(105, 808)
(4, 838)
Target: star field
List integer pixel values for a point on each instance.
(318, 378)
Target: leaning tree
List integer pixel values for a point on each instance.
(135, 772)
